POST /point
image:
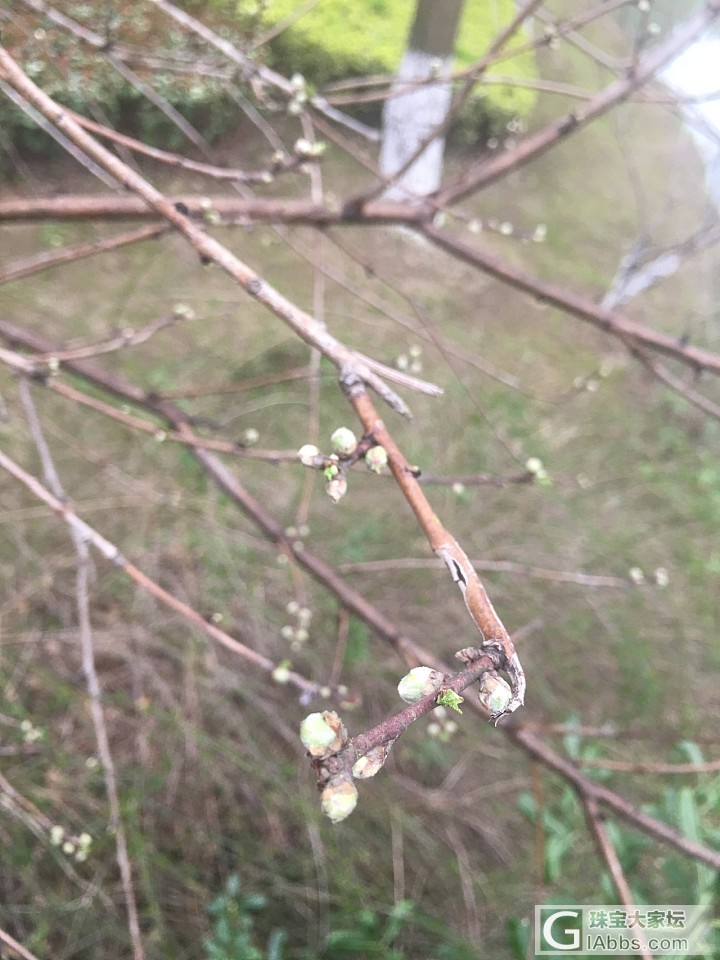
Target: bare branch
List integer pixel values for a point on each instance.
(88, 534)
(12, 944)
(94, 689)
(612, 861)
(256, 73)
(487, 171)
(625, 330)
(305, 326)
(411, 652)
(46, 261)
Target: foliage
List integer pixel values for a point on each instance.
(233, 916)
(692, 811)
(363, 935)
(335, 40)
(79, 77)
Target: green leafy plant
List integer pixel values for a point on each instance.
(233, 936)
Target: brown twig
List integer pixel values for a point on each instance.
(493, 566)
(225, 209)
(488, 171)
(209, 249)
(628, 331)
(612, 861)
(410, 651)
(441, 541)
(629, 766)
(210, 170)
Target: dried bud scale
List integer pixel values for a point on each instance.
(372, 762)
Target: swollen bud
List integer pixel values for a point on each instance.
(322, 734)
(419, 683)
(343, 441)
(339, 798)
(307, 453)
(376, 458)
(336, 488)
(495, 693)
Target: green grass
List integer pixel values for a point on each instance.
(334, 40)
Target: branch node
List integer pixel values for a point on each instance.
(351, 383)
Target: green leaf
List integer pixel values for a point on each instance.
(518, 930)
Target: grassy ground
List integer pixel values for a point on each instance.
(211, 776)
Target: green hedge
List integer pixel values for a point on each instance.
(337, 39)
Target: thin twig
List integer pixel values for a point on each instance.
(46, 261)
(629, 766)
(12, 944)
(409, 650)
(111, 553)
(441, 541)
(615, 324)
(492, 566)
(612, 861)
(488, 171)
(102, 739)
(305, 326)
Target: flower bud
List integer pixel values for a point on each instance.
(376, 458)
(307, 453)
(339, 798)
(281, 673)
(419, 683)
(495, 693)
(336, 488)
(57, 835)
(322, 734)
(343, 441)
(372, 762)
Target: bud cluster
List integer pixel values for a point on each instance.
(297, 634)
(346, 449)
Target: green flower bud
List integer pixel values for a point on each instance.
(339, 798)
(376, 458)
(419, 683)
(322, 734)
(495, 693)
(307, 453)
(343, 441)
